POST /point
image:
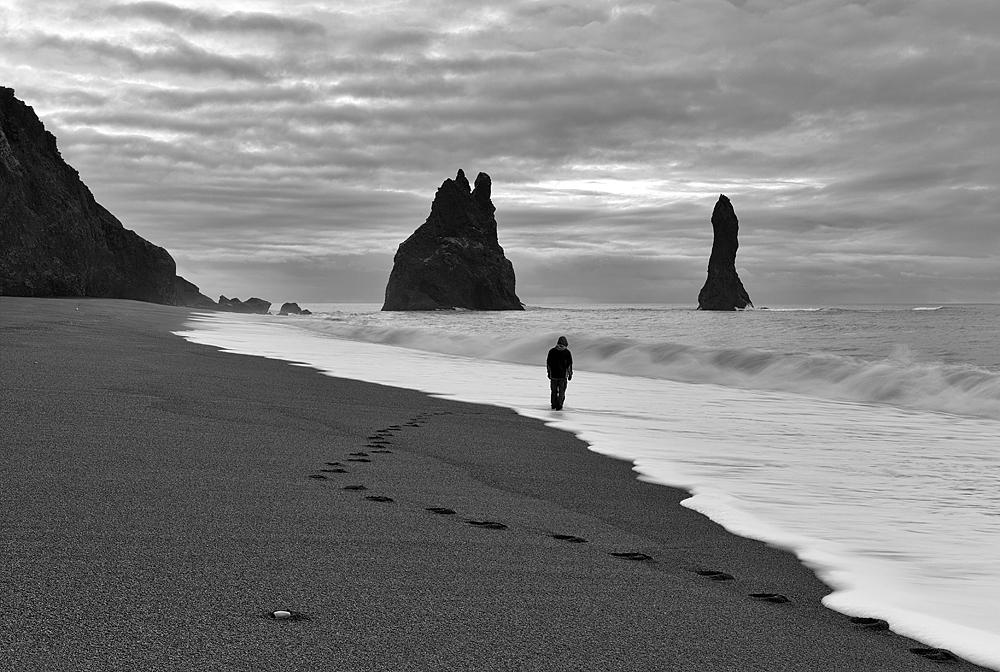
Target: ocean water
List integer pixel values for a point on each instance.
(866, 439)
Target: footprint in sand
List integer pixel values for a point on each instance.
(441, 510)
(382, 451)
(318, 477)
(358, 459)
(570, 538)
(360, 453)
(487, 524)
(776, 598)
(355, 487)
(715, 575)
(634, 555)
(335, 470)
(870, 623)
(937, 655)
(379, 498)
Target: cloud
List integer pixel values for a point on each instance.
(316, 279)
(204, 21)
(170, 56)
(857, 139)
(600, 278)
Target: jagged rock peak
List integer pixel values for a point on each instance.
(454, 259)
(462, 180)
(482, 192)
(723, 289)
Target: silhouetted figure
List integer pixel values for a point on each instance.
(559, 365)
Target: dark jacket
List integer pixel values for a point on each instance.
(559, 364)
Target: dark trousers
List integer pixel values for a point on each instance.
(558, 386)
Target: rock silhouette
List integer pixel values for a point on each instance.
(292, 309)
(55, 239)
(187, 294)
(454, 260)
(252, 305)
(723, 289)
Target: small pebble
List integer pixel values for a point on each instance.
(281, 614)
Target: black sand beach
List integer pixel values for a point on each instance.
(161, 498)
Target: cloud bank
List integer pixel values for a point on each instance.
(284, 149)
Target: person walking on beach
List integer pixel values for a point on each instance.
(559, 365)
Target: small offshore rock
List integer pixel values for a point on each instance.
(292, 309)
(252, 306)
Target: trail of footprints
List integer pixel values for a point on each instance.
(378, 444)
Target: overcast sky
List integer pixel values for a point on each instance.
(283, 149)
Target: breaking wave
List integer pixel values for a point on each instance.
(899, 380)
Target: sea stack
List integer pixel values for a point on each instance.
(454, 259)
(723, 289)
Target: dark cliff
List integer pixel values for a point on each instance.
(55, 239)
(723, 289)
(454, 259)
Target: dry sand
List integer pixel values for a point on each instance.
(159, 501)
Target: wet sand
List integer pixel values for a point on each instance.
(161, 499)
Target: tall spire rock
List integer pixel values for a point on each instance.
(454, 260)
(55, 239)
(723, 289)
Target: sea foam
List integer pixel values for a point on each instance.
(891, 507)
(900, 380)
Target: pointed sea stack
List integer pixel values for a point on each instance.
(454, 259)
(723, 289)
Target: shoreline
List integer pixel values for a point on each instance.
(216, 451)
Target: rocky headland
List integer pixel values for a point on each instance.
(56, 240)
(723, 289)
(187, 294)
(454, 260)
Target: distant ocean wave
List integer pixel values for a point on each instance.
(850, 309)
(899, 380)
